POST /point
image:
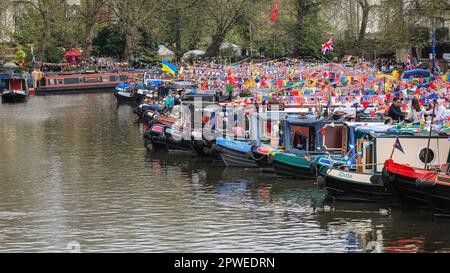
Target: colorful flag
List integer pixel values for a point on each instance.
(169, 68)
(274, 13)
(328, 46)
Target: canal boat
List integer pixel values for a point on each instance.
(402, 170)
(303, 141)
(125, 92)
(14, 87)
(85, 82)
(155, 136)
(355, 177)
(261, 139)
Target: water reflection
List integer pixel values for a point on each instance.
(74, 168)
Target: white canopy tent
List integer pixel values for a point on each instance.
(227, 45)
(165, 53)
(194, 53)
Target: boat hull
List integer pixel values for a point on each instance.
(125, 97)
(403, 181)
(237, 159)
(42, 91)
(439, 195)
(14, 97)
(235, 153)
(293, 167)
(349, 186)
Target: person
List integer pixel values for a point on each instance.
(40, 76)
(35, 76)
(416, 111)
(440, 112)
(395, 111)
(169, 103)
(177, 100)
(389, 121)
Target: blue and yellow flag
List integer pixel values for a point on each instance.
(169, 68)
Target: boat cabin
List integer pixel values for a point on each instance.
(299, 136)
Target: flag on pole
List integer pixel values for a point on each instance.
(398, 146)
(274, 13)
(328, 46)
(169, 68)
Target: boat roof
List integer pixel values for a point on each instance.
(417, 73)
(7, 76)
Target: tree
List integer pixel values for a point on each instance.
(365, 7)
(224, 15)
(306, 16)
(110, 41)
(89, 11)
(48, 11)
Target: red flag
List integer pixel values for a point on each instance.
(274, 13)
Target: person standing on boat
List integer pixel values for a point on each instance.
(35, 76)
(40, 76)
(395, 111)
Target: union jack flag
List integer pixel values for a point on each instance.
(328, 46)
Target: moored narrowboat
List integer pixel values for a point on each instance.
(85, 83)
(14, 87)
(304, 141)
(355, 176)
(402, 178)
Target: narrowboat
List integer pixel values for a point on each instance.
(303, 141)
(402, 177)
(261, 139)
(14, 87)
(355, 177)
(85, 83)
(155, 136)
(266, 133)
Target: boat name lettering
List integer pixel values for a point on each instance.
(345, 175)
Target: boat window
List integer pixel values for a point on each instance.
(332, 140)
(268, 129)
(71, 81)
(300, 137)
(59, 81)
(423, 155)
(112, 78)
(106, 79)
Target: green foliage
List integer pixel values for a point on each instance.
(419, 36)
(110, 41)
(55, 53)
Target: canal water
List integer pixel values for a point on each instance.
(75, 176)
